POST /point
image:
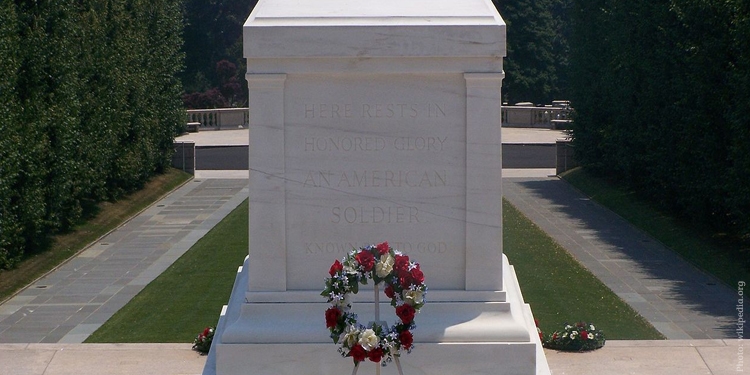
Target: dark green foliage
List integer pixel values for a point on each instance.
(661, 96)
(213, 36)
(10, 145)
(536, 67)
(92, 108)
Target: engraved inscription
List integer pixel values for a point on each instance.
(421, 247)
(332, 110)
(405, 247)
(419, 143)
(344, 144)
(375, 215)
(373, 110)
(376, 178)
(360, 144)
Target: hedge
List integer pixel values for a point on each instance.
(661, 91)
(91, 105)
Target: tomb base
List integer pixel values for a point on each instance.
(458, 332)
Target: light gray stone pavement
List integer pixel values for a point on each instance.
(673, 357)
(681, 301)
(665, 357)
(70, 303)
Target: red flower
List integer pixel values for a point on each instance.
(405, 279)
(206, 332)
(401, 263)
(554, 336)
(406, 313)
(389, 291)
(584, 335)
(417, 275)
(332, 317)
(335, 267)
(383, 248)
(406, 339)
(366, 259)
(358, 353)
(375, 355)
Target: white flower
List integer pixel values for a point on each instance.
(349, 268)
(591, 327)
(349, 337)
(334, 297)
(385, 265)
(413, 297)
(341, 301)
(573, 334)
(591, 336)
(368, 339)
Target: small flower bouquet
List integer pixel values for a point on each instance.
(202, 342)
(579, 337)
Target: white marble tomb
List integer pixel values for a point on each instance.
(370, 122)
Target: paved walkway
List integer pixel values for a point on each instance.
(673, 357)
(70, 303)
(679, 300)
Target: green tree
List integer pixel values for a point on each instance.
(213, 32)
(530, 65)
(738, 180)
(11, 239)
(660, 91)
(91, 104)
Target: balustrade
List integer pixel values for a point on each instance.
(512, 116)
(531, 117)
(219, 118)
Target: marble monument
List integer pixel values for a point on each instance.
(370, 122)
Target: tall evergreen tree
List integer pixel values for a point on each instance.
(530, 65)
(90, 107)
(660, 91)
(11, 240)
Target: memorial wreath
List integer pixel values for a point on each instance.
(404, 285)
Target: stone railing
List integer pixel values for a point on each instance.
(513, 117)
(219, 118)
(531, 117)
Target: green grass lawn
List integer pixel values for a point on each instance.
(698, 246)
(188, 296)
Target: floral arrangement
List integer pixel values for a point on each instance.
(539, 330)
(579, 337)
(202, 342)
(404, 285)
